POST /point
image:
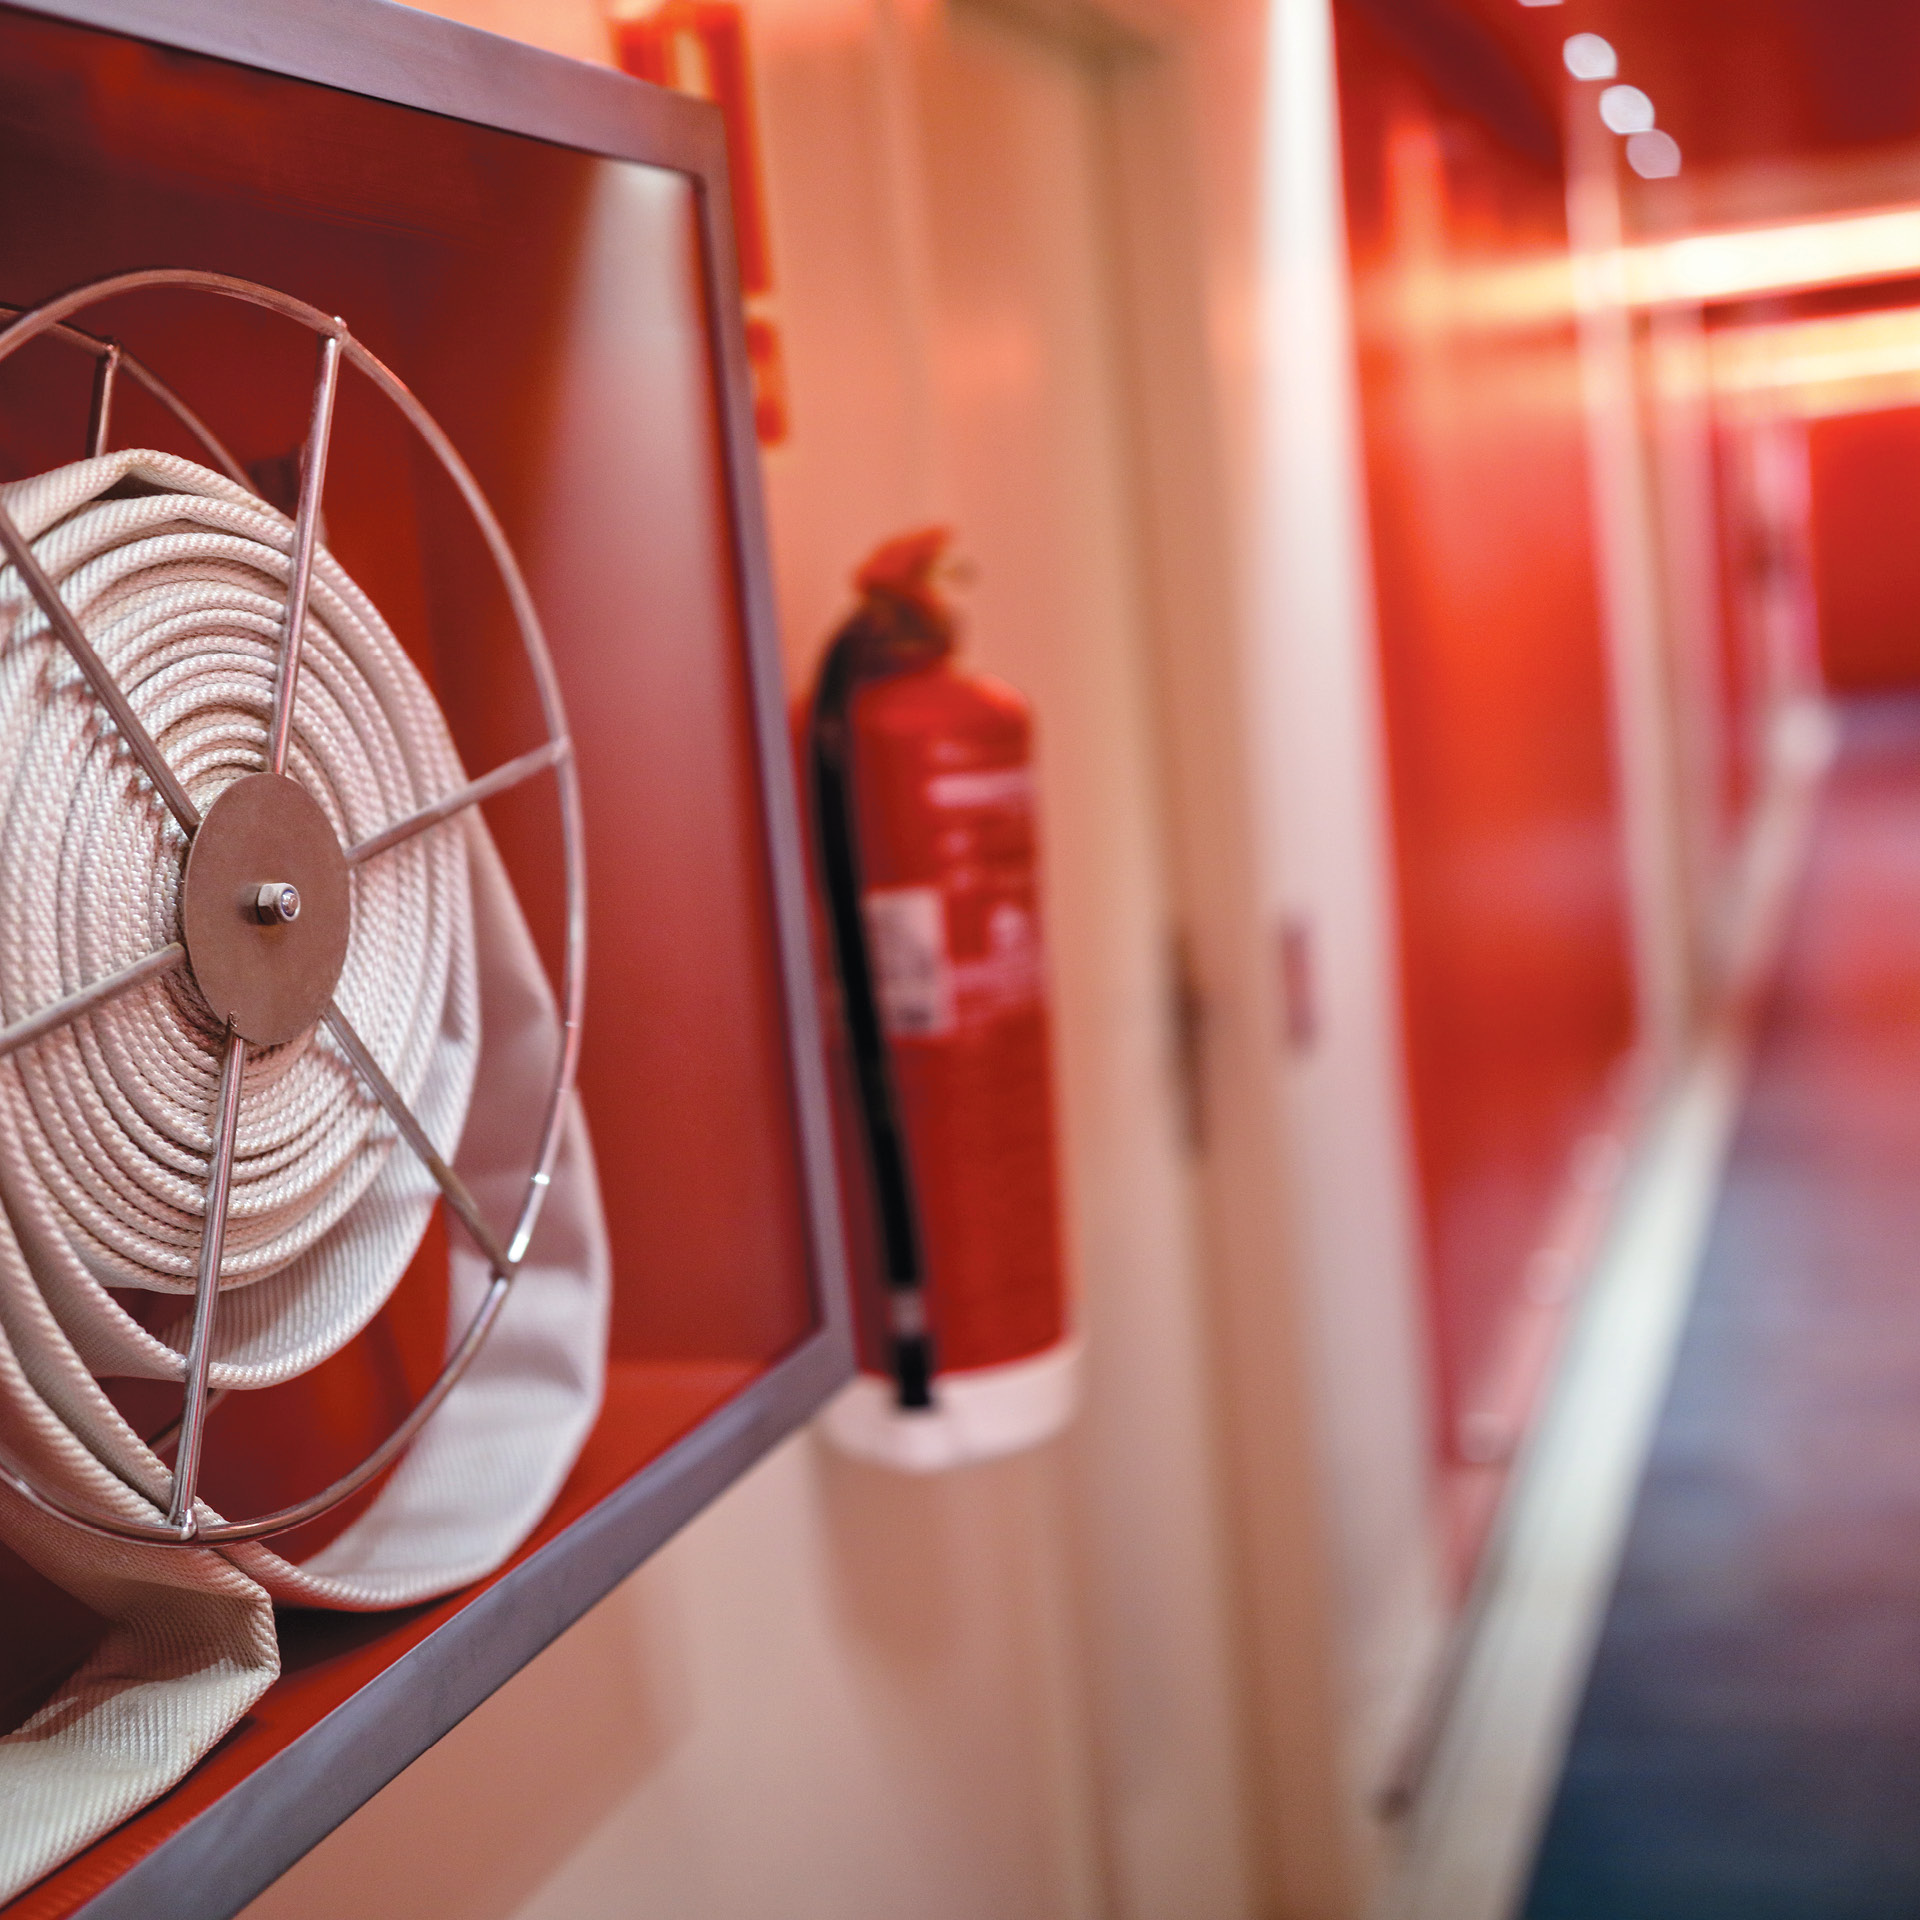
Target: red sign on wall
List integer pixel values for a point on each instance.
(700, 47)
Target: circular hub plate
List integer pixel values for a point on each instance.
(272, 981)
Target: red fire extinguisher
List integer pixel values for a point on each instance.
(921, 791)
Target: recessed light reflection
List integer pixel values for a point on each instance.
(1539, 3)
(1626, 110)
(1654, 155)
(1588, 57)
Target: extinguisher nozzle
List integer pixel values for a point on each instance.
(913, 1372)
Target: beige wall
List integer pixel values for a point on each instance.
(1155, 1670)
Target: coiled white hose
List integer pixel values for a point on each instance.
(178, 579)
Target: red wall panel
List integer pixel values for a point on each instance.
(1514, 950)
(1866, 547)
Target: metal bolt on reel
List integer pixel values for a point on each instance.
(264, 839)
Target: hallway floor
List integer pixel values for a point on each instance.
(1749, 1741)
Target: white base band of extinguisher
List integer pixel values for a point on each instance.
(978, 1414)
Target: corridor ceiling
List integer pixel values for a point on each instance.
(1822, 97)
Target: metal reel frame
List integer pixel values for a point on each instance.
(182, 1525)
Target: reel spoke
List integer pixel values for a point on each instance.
(163, 1437)
(459, 1196)
(67, 629)
(100, 421)
(306, 533)
(498, 781)
(206, 1289)
(36, 1025)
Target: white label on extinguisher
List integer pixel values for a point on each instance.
(907, 940)
(984, 787)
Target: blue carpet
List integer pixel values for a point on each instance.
(1748, 1746)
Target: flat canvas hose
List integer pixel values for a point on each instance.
(178, 579)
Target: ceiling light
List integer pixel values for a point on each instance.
(1654, 155)
(1626, 110)
(1588, 57)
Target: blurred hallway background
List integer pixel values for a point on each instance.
(1749, 1741)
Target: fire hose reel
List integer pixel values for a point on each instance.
(267, 1005)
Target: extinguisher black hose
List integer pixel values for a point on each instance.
(861, 653)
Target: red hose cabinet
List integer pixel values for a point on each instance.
(543, 251)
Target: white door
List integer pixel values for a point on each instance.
(1030, 375)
